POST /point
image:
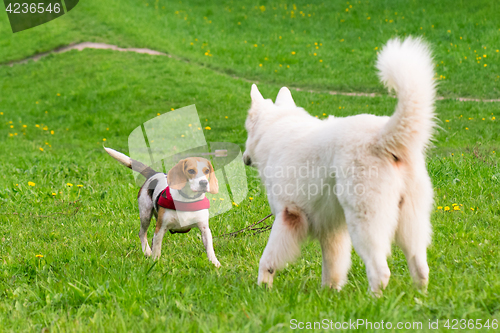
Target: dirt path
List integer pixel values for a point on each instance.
(102, 46)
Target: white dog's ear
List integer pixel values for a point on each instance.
(256, 95)
(284, 98)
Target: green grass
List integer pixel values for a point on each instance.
(241, 36)
(93, 276)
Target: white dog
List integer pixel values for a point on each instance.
(360, 178)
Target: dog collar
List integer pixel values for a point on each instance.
(188, 197)
(165, 200)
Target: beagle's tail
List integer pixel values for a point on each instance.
(406, 66)
(143, 169)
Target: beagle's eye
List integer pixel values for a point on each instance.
(191, 171)
(207, 172)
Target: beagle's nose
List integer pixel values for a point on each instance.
(203, 183)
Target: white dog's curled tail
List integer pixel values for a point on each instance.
(406, 66)
(140, 167)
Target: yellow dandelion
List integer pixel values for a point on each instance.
(182, 135)
(53, 193)
(324, 114)
(221, 199)
(440, 207)
(376, 48)
(37, 125)
(456, 208)
(260, 65)
(466, 128)
(39, 256)
(493, 118)
(447, 120)
(320, 60)
(79, 185)
(52, 132)
(293, 52)
(31, 184)
(214, 199)
(25, 126)
(226, 117)
(11, 126)
(1, 113)
(10, 134)
(446, 208)
(58, 94)
(472, 208)
(454, 205)
(485, 65)
(158, 114)
(41, 149)
(251, 198)
(69, 184)
(190, 125)
(103, 139)
(171, 109)
(208, 128)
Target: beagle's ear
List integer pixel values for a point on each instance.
(176, 178)
(256, 95)
(285, 98)
(212, 181)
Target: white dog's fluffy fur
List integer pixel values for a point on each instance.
(375, 166)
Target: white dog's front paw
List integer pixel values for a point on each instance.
(148, 252)
(216, 263)
(266, 276)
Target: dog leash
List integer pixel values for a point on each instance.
(251, 228)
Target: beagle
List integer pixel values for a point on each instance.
(176, 199)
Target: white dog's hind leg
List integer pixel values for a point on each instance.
(372, 235)
(288, 232)
(413, 234)
(336, 249)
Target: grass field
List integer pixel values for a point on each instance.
(56, 113)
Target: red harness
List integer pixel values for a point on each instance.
(165, 200)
